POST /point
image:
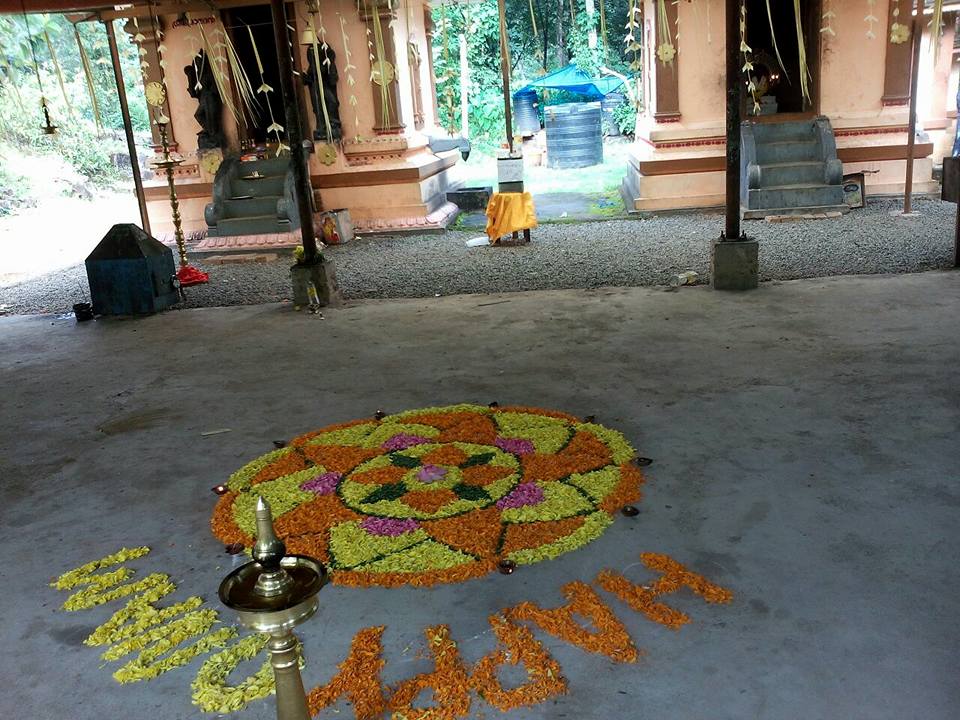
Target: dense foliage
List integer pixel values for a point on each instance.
(557, 41)
(91, 151)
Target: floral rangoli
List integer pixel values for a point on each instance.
(436, 495)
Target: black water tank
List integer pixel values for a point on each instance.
(573, 135)
(526, 121)
(607, 106)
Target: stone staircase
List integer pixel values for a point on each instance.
(790, 168)
(247, 205)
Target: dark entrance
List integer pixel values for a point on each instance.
(260, 22)
(784, 82)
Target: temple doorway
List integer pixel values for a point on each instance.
(260, 23)
(780, 85)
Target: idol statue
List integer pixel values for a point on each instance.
(202, 86)
(328, 86)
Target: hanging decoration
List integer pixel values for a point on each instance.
(773, 39)
(666, 50)
(348, 70)
(88, 77)
(871, 19)
(215, 52)
(56, 68)
(747, 53)
(936, 29)
(161, 91)
(805, 76)
(899, 32)
(48, 127)
(265, 90)
(315, 49)
(634, 29)
(382, 72)
(828, 17)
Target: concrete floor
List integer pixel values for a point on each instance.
(805, 446)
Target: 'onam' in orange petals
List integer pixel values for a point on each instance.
(358, 677)
(609, 638)
(518, 646)
(643, 598)
(449, 681)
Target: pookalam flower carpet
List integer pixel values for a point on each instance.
(436, 495)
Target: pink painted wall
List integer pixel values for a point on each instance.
(701, 62)
(852, 65)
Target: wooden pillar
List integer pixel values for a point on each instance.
(505, 72)
(386, 105)
(896, 74)
(301, 176)
(667, 107)
(912, 126)
(127, 126)
(732, 21)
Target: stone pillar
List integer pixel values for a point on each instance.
(386, 105)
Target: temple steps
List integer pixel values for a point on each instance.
(252, 225)
(251, 207)
(791, 168)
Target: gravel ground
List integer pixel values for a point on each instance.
(582, 255)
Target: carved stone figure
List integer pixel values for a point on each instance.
(328, 86)
(202, 86)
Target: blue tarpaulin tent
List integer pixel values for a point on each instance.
(573, 79)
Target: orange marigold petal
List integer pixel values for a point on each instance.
(447, 455)
(538, 411)
(627, 490)
(521, 536)
(589, 445)
(428, 500)
(380, 476)
(314, 516)
(223, 524)
(609, 636)
(481, 475)
(285, 465)
(476, 533)
(358, 677)
(478, 429)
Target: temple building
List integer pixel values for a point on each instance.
(368, 103)
(845, 111)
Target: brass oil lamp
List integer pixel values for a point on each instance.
(273, 594)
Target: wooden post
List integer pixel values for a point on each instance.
(464, 88)
(505, 70)
(301, 176)
(912, 127)
(127, 126)
(732, 231)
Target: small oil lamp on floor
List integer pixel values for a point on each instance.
(273, 594)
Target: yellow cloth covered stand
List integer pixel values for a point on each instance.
(509, 212)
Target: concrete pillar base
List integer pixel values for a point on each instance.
(734, 265)
(324, 278)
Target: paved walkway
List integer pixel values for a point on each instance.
(804, 439)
